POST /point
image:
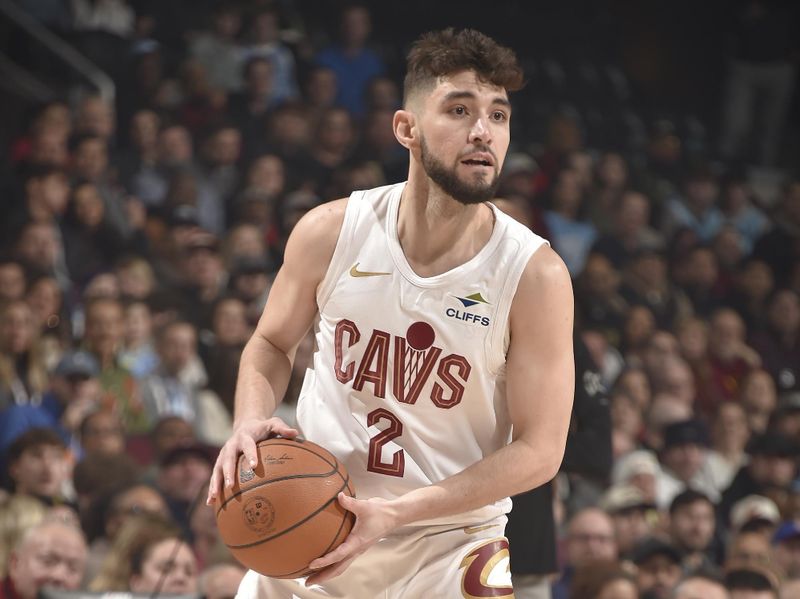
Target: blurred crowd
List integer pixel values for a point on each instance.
(140, 237)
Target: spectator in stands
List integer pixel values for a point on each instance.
(18, 513)
(590, 536)
(758, 397)
(770, 471)
(148, 552)
(353, 62)
(136, 277)
(729, 360)
(750, 289)
(51, 554)
(139, 355)
(738, 205)
(779, 343)
(638, 328)
(101, 432)
(92, 243)
(786, 548)
(111, 511)
(604, 579)
(698, 274)
(665, 409)
(103, 338)
(600, 303)
(138, 166)
(218, 49)
(685, 463)
(700, 587)
(249, 109)
(633, 515)
(221, 581)
(691, 527)
(177, 387)
(646, 282)
(779, 247)
(205, 276)
(333, 144)
(729, 437)
(754, 514)
(658, 568)
(571, 236)
(95, 116)
(697, 208)
(13, 281)
(38, 465)
(91, 164)
(751, 581)
(39, 246)
(23, 372)
(606, 189)
(265, 42)
(630, 230)
(183, 472)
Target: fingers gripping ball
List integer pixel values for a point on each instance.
(283, 514)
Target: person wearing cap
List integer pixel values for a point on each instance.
(74, 392)
(183, 471)
(770, 472)
(658, 568)
(685, 463)
(640, 469)
(786, 417)
(786, 548)
(633, 514)
(755, 513)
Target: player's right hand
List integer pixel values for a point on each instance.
(243, 441)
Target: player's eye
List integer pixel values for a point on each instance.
(499, 115)
(459, 110)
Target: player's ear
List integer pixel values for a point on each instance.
(405, 129)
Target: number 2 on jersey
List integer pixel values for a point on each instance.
(375, 464)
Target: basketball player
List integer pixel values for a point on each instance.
(443, 373)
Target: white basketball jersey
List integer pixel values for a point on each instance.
(407, 382)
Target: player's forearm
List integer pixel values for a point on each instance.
(518, 467)
(264, 373)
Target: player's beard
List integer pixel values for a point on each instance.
(447, 179)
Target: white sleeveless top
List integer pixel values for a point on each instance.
(407, 381)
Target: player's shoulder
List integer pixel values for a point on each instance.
(313, 239)
(545, 272)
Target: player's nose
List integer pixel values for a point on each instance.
(480, 131)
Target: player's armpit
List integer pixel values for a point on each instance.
(540, 365)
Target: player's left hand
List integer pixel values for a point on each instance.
(375, 518)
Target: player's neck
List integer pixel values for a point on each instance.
(438, 233)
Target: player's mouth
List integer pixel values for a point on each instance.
(479, 159)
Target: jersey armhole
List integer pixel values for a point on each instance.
(340, 252)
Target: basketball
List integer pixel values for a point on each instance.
(283, 514)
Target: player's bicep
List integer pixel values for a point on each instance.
(540, 363)
(292, 302)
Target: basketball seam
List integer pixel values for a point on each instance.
(334, 465)
(296, 524)
(325, 551)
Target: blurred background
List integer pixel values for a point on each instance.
(155, 155)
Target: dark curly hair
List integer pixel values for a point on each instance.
(440, 53)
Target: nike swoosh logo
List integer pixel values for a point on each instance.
(354, 272)
(471, 530)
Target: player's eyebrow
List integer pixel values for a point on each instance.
(468, 95)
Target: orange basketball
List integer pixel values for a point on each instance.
(282, 515)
